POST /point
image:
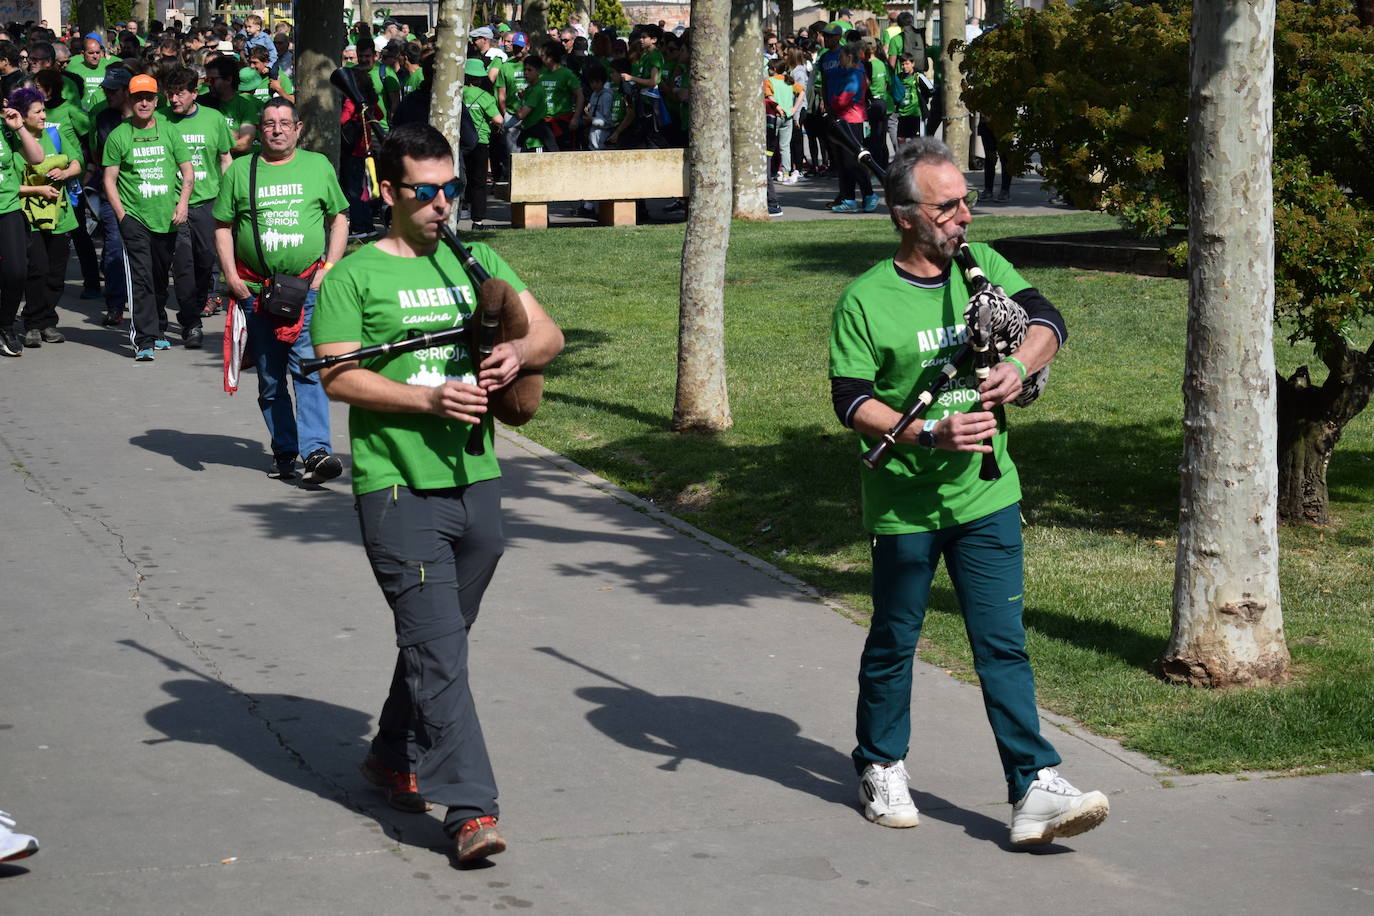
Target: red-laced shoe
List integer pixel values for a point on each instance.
(479, 838)
(402, 791)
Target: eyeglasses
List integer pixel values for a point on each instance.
(424, 193)
(945, 212)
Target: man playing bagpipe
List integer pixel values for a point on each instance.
(895, 328)
(429, 502)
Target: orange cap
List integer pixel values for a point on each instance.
(142, 83)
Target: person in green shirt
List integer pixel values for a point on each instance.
(882, 126)
(893, 331)
(429, 510)
(481, 106)
(18, 147)
(254, 79)
(909, 111)
(91, 67)
(534, 132)
(240, 112)
(641, 85)
(562, 96)
(302, 230)
(510, 86)
(143, 158)
(63, 112)
(49, 214)
(206, 137)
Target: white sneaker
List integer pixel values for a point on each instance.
(884, 794)
(1053, 808)
(795, 176)
(14, 845)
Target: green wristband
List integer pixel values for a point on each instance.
(1020, 366)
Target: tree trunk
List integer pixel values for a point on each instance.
(1364, 9)
(139, 13)
(702, 402)
(1227, 618)
(535, 18)
(951, 59)
(748, 137)
(90, 16)
(1311, 421)
(317, 50)
(927, 21)
(446, 96)
(787, 13)
(365, 11)
(583, 9)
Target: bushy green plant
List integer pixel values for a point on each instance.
(118, 11)
(607, 13)
(1100, 93)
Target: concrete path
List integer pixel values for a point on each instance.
(193, 657)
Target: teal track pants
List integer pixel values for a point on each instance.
(984, 559)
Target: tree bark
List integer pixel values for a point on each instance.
(583, 9)
(205, 10)
(956, 130)
(139, 13)
(90, 16)
(365, 11)
(1227, 618)
(535, 18)
(1364, 9)
(317, 50)
(787, 13)
(446, 96)
(702, 402)
(748, 136)
(1311, 421)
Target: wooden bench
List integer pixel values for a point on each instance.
(614, 179)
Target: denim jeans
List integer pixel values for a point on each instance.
(306, 428)
(116, 268)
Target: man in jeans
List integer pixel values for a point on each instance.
(143, 159)
(298, 203)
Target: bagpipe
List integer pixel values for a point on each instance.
(996, 327)
(500, 316)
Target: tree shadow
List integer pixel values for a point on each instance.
(311, 745)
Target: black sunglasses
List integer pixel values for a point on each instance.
(424, 193)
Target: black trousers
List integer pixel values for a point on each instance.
(149, 256)
(433, 553)
(475, 166)
(47, 276)
(14, 265)
(193, 262)
(85, 248)
(854, 181)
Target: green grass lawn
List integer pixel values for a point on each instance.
(1098, 457)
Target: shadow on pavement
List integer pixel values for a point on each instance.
(723, 735)
(308, 744)
(197, 451)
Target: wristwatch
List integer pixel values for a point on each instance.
(926, 437)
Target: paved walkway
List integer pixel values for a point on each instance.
(194, 655)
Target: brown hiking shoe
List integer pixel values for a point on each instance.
(478, 839)
(402, 791)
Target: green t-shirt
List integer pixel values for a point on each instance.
(534, 99)
(288, 86)
(880, 82)
(783, 96)
(91, 77)
(11, 168)
(149, 182)
(644, 67)
(895, 42)
(559, 86)
(900, 336)
(295, 199)
(384, 86)
(911, 105)
(372, 297)
(69, 114)
(237, 111)
(206, 138)
(481, 106)
(512, 77)
(412, 81)
(71, 148)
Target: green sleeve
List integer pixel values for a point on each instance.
(851, 347)
(390, 84)
(287, 86)
(177, 145)
(70, 144)
(228, 190)
(223, 140)
(331, 194)
(116, 145)
(496, 265)
(488, 103)
(338, 316)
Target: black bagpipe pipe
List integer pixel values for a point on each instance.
(499, 316)
(979, 345)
